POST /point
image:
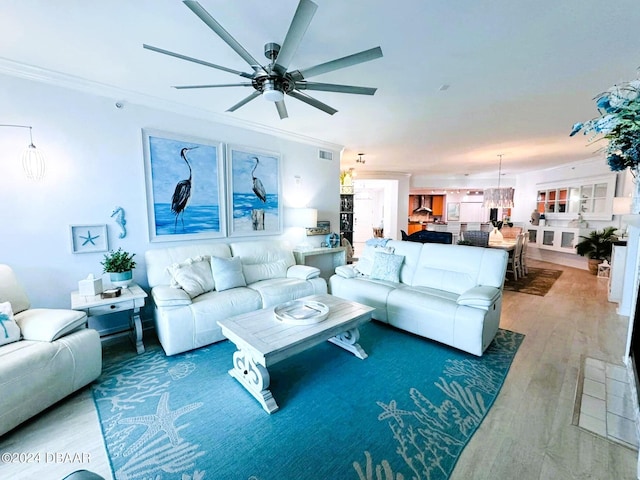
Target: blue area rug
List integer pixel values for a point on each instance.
(406, 412)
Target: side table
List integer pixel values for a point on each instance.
(131, 298)
(317, 257)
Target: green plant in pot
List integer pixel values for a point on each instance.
(597, 247)
(119, 265)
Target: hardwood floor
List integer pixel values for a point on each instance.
(527, 435)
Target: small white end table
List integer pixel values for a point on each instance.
(317, 257)
(131, 299)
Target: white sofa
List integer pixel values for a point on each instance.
(448, 293)
(54, 356)
(187, 319)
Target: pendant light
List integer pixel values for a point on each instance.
(498, 197)
(33, 162)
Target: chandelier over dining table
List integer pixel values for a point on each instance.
(498, 197)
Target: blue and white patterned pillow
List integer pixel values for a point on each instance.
(386, 266)
(9, 329)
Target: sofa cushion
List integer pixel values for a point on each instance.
(386, 266)
(193, 275)
(264, 271)
(279, 290)
(303, 272)
(49, 324)
(227, 273)
(9, 330)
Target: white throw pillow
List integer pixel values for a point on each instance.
(386, 266)
(365, 262)
(227, 273)
(9, 330)
(193, 275)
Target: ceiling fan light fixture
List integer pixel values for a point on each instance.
(271, 93)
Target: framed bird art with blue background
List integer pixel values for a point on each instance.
(254, 192)
(186, 191)
(89, 238)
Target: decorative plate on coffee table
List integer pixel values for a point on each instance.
(301, 312)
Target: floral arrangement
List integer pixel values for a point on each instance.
(619, 123)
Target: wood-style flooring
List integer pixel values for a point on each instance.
(527, 435)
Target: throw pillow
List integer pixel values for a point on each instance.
(227, 273)
(9, 330)
(193, 276)
(386, 266)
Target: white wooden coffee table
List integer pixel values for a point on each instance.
(262, 340)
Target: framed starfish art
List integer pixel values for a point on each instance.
(89, 238)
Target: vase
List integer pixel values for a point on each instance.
(495, 236)
(121, 279)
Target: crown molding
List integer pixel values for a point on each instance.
(38, 74)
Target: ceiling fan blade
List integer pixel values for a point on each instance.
(185, 87)
(332, 87)
(282, 110)
(244, 101)
(338, 63)
(312, 101)
(301, 20)
(195, 60)
(211, 22)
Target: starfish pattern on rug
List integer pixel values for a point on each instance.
(162, 421)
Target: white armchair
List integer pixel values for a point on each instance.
(53, 356)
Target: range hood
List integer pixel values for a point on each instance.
(423, 208)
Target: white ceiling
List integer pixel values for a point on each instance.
(520, 73)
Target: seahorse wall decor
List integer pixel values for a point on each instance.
(118, 212)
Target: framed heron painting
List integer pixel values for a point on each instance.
(255, 207)
(186, 190)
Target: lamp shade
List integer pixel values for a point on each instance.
(303, 217)
(33, 163)
(498, 198)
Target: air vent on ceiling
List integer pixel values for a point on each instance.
(325, 155)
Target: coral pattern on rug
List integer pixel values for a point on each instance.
(430, 435)
(160, 447)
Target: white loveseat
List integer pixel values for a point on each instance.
(53, 354)
(448, 293)
(186, 319)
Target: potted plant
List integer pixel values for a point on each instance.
(119, 265)
(597, 247)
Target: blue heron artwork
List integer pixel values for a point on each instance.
(184, 178)
(255, 185)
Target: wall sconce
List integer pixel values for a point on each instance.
(33, 162)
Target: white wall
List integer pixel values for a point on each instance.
(94, 163)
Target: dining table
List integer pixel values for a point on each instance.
(507, 245)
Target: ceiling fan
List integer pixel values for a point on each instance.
(274, 80)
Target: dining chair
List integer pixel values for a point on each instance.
(510, 232)
(513, 265)
(477, 238)
(524, 271)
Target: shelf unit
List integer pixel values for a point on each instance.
(346, 212)
(591, 197)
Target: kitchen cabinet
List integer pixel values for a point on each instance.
(560, 239)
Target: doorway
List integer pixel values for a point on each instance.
(374, 202)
